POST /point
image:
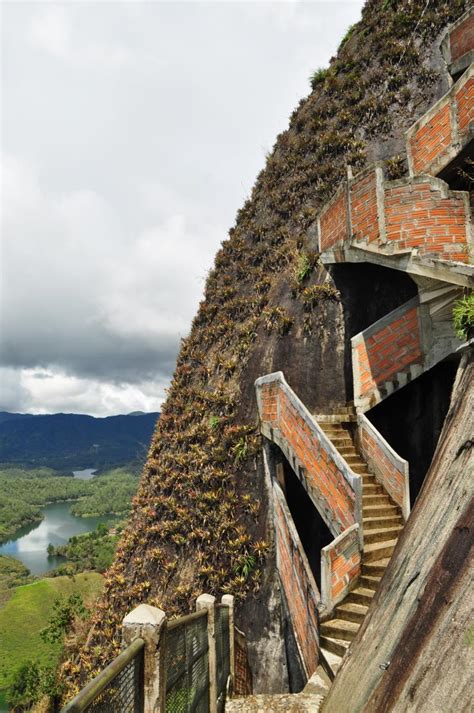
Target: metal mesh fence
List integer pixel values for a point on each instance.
(118, 688)
(243, 674)
(222, 654)
(187, 666)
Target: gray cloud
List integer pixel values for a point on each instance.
(132, 132)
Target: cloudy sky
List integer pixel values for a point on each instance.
(131, 134)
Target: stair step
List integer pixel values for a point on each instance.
(371, 488)
(362, 469)
(384, 510)
(340, 629)
(378, 550)
(375, 568)
(380, 500)
(360, 595)
(375, 523)
(352, 611)
(382, 534)
(370, 582)
(335, 646)
(348, 451)
(354, 460)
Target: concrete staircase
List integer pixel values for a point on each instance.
(382, 524)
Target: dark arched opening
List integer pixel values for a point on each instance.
(411, 419)
(313, 532)
(368, 293)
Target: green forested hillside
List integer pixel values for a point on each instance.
(23, 491)
(74, 441)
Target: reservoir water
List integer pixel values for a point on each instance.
(30, 543)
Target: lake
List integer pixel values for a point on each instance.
(30, 543)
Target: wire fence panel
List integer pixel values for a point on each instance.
(124, 693)
(187, 666)
(119, 687)
(222, 654)
(243, 685)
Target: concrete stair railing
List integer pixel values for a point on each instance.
(457, 45)
(403, 345)
(447, 127)
(382, 523)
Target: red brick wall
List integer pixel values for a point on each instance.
(462, 38)
(343, 560)
(300, 593)
(465, 103)
(392, 476)
(363, 206)
(333, 221)
(322, 473)
(383, 353)
(431, 139)
(418, 216)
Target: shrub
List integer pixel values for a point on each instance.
(463, 316)
(318, 77)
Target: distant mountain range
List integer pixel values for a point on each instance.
(69, 441)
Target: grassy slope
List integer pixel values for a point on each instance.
(27, 612)
(12, 574)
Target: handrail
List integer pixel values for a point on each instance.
(95, 687)
(272, 430)
(186, 619)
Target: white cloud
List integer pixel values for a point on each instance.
(50, 30)
(133, 131)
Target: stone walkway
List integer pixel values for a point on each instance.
(278, 703)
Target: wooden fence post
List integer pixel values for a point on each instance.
(207, 601)
(148, 623)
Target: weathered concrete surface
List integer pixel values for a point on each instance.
(286, 703)
(415, 649)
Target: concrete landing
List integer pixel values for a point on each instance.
(271, 703)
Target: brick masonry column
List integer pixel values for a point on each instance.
(148, 623)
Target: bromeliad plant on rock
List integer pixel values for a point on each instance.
(193, 527)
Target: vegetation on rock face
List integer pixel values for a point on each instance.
(197, 524)
(463, 315)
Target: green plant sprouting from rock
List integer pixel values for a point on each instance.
(463, 316)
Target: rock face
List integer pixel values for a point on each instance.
(200, 518)
(415, 650)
